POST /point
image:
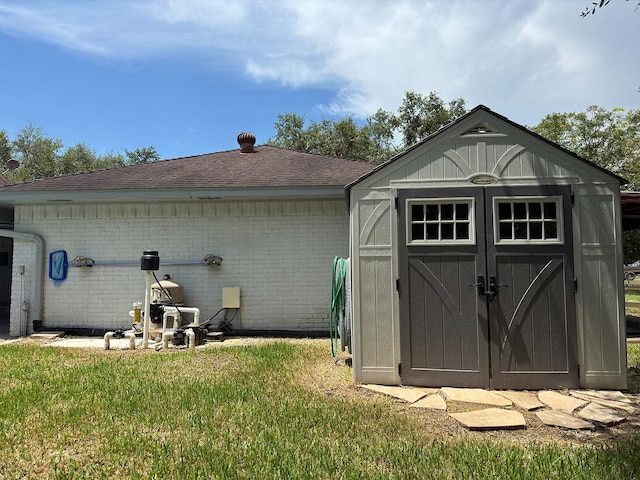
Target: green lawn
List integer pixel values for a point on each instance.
(633, 355)
(632, 295)
(242, 412)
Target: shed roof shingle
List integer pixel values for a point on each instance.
(267, 166)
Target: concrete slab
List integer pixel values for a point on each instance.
(558, 401)
(525, 400)
(408, 394)
(491, 419)
(435, 402)
(597, 413)
(47, 335)
(475, 395)
(555, 418)
(98, 343)
(626, 406)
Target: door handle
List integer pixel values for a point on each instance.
(493, 287)
(480, 285)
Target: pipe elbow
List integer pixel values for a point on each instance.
(107, 340)
(132, 339)
(191, 335)
(165, 339)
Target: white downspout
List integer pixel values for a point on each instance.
(39, 270)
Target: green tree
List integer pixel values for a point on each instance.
(339, 138)
(37, 154)
(419, 116)
(81, 158)
(375, 140)
(109, 160)
(41, 156)
(6, 150)
(290, 132)
(610, 139)
(141, 155)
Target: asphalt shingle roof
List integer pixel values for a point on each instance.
(267, 166)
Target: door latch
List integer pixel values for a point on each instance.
(480, 285)
(493, 287)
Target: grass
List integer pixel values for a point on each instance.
(633, 355)
(632, 295)
(240, 412)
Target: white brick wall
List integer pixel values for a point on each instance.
(280, 253)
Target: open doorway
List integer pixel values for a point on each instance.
(6, 260)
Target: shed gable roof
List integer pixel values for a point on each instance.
(481, 122)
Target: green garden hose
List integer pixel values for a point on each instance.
(338, 300)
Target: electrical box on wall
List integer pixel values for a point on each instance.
(230, 297)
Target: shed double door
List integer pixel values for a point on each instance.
(486, 287)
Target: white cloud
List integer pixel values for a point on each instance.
(523, 59)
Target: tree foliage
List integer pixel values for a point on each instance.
(41, 156)
(608, 138)
(591, 10)
(419, 116)
(375, 140)
(142, 155)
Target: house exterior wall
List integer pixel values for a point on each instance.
(513, 158)
(278, 252)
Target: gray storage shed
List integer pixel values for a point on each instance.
(487, 256)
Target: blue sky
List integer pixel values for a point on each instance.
(186, 76)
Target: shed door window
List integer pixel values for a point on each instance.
(440, 221)
(535, 220)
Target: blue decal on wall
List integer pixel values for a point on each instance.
(58, 265)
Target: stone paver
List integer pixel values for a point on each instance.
(475, 395)
(597, 413)
(557, 401)
(491, 419)
(435, 402)
(407, 394)
(525, 400)
(613, 395)
(555, 418)
(627, 406)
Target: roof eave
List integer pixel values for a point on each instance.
(263, 193)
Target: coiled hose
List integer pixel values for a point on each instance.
(338, 301)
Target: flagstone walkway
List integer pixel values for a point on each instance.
(570, 409)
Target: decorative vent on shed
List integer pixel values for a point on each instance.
(481, 129)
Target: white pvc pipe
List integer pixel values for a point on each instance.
(179, 310)
(165, 339)
(176, 317)
(129, 334)
(147, 311)
(132, 339)
(191, 336)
